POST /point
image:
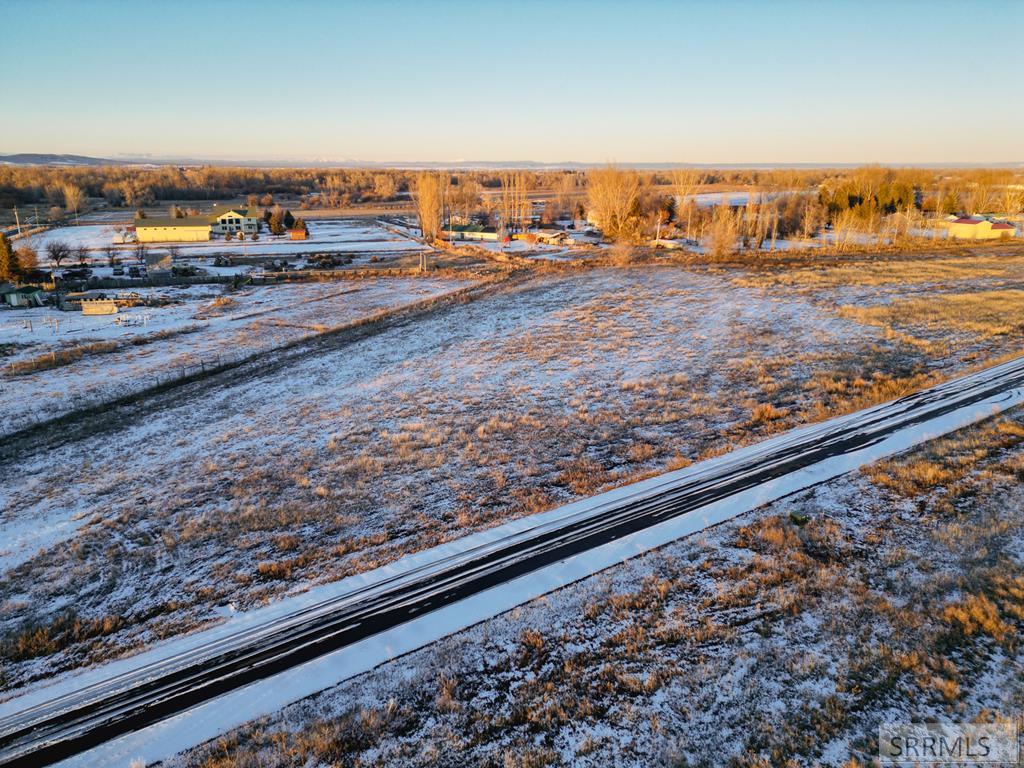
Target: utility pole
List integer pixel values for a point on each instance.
(17, 221)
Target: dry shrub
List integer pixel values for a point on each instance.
(770, 534)
(976, 614)
(910, 479)
(582, 476)
(766, 412)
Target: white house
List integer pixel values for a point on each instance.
(225, 221)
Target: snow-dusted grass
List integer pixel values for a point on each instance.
(545, 392)
(783, 637)
(83, 360)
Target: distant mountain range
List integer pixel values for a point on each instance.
(31, 158)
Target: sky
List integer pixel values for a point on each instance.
(728, 81)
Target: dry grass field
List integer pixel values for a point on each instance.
(57, 362)
(557, 387)
(780, 638)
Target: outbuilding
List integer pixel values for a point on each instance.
(26, 296)
(168, 229)
(477, 232)
(978, 228)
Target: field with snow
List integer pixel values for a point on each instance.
(783, 637)
(355, 236)
(55, 362)
(241, 488)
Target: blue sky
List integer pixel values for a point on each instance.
(595, 81)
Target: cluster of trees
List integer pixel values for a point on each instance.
(67, 188)
(629, 205)
(16, 263)
(278, 220)
(133, 187)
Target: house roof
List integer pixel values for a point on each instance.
(171, 221)
(469, 228)
(219, 211)
(968, 220)
(1002, 225)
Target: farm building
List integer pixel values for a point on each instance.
(222, 221)
(298, 234)
(977, 228)
(169, 229)
(470, 232)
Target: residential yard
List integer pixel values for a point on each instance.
(783, 637)
(556, 387)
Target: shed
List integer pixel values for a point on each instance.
(26, 296)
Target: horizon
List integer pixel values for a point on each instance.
(50, 158)
(729, 85)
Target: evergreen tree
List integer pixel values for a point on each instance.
(9, 267)
(276, 224)
(289, 220)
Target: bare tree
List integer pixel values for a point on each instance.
(612, 199)
(684, 184)
(812, 219)
(565, 192)
(57, 250)
(74, 197)
(1012, 199)
(977, 198)
(429, 195)
(514, 202)
(724, 231)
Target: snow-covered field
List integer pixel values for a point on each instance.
(792, 631)
(326, 236)
(549, 390)
(269, 695)
(490, 410)
(140, 347)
